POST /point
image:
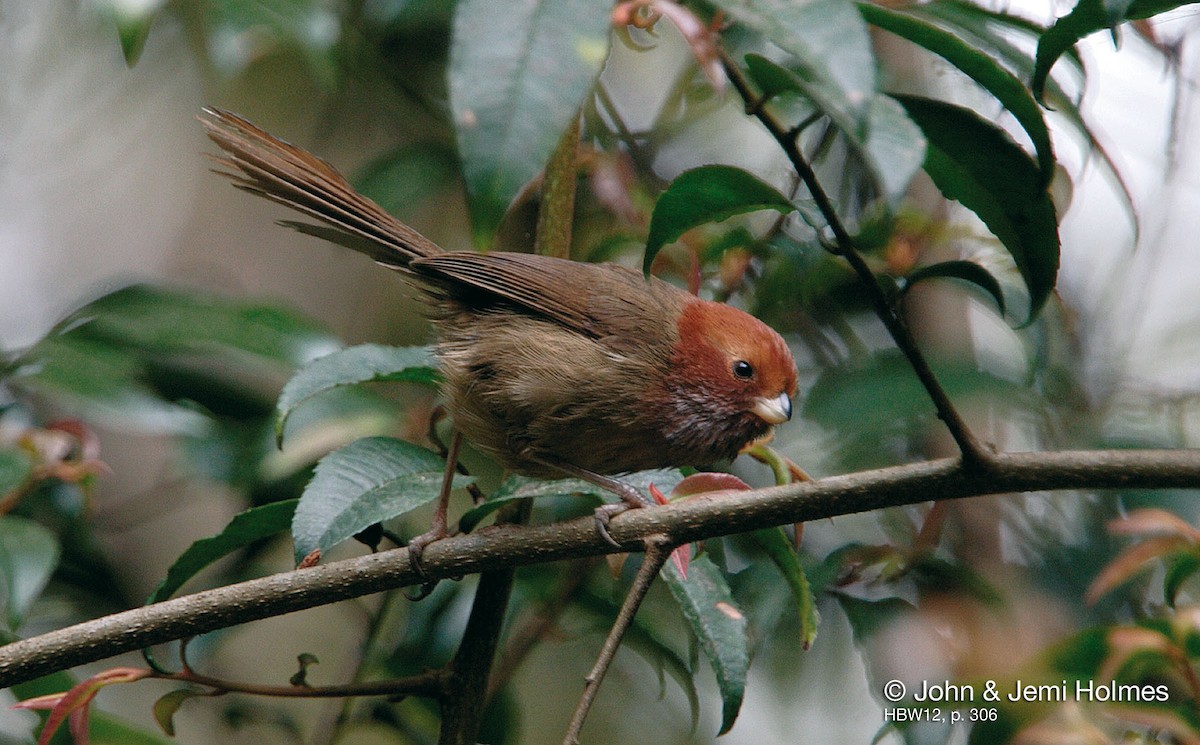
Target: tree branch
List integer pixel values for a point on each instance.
(697, 518)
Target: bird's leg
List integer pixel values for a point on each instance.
(437, 531)
(630, 497)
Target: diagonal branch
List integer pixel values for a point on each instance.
(700, 517)
(974, 453)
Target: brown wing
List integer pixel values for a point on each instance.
(599, 300)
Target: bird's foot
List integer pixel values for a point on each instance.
(605, 513)
(416, 550)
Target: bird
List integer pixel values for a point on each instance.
(552, 367)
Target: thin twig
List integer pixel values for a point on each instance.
(974, 453)
(658, 548)
(429, 683)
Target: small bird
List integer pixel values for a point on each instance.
(550, 366)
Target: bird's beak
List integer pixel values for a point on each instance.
(773, 410)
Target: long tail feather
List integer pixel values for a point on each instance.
(269, 167)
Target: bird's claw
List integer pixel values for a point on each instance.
(604, 514)
(416, 550)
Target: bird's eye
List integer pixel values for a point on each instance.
(743, 369)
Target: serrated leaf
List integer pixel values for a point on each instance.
(779, 548)
(368, 481)
(521, 487)
(28, 555)
(245, 529)
(165, 707)
(967, 271)
(1086, 18)
(708, 194)
(979, 66)
(830, 48)
(976, 163)
(518, 73)
(366, 363)
(15, 469)
(707, 606)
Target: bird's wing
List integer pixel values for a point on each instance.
(590, 298)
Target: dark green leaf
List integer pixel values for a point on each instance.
(707, 605)
(518, 74)
(366, 482)
(15, 469)
(133, 22)
(521, 487)
(408, 177)
(102, 382)
(247, 528)
(305, 661)
(1181, 569)
(361, 364)
(28, 556)
(266, 27)
(830, 48)
(1088, 17)
(968, 271)
(161, 320)
(976, 163)
(869, 617)
(707, 194)
(779, 548)
(979, 66)
(169, 703)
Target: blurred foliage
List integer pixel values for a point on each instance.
(499, 85)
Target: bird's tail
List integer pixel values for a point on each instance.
(264, 165)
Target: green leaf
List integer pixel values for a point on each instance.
(707, 194)
(168, 321)
(977, 164)
(967, 271)
(892, 146)
(101, 381)
(15, 469)
(1183, 567)
(133, 21)
(830, 48)
(779, 548)
(521, 487)
(368, 481)
(979, 66)
(707, 606)
(245, 529)
(869, 617)
(408, 177)
(1087, 17)
(518, 74)
(361, 364)
(241, 33)
(169, 703)
(28, 555)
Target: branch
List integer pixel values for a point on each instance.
(974, 453)
(700, 517)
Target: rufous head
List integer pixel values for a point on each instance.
(738, 359)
